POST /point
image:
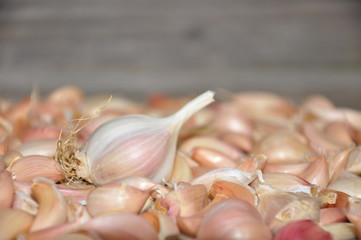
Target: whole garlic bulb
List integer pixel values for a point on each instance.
(135, 145)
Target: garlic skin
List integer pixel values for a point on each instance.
(136, 145)
(233, 219)
(302, 230)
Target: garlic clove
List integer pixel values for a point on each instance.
(44, 147)
(189, 225)
(77, 192)
(302, 230)
(332, 215)
(120, 226)
(181, 171)
(341, 231)
(211, 158)
(67, 97)
(14, 222)
(2, 163)
(135, 145)
(210, 143)
(318, 140)
(40, 133)
(52, 232)
(234, 190)
(76, 212)
(300, 209)
(167, 227)
(144, 184)
(29, 167)
(331, 198)
(292, 168)
(348, 185)
(115, 198)
(354, 161)
(287, 182)
(185, 201)
(272, 201)
(7, 189)
(52, 206)
(338, 132)
(282, 147)
(74, 236)
(152, 218)
(240, 141)
(228, 174)
(338, 163)
(253, 163)
(11, 157)
(317, 172)
(233, 219)
(24, 202)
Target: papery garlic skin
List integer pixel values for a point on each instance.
(136, 145)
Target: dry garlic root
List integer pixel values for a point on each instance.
(254, 166)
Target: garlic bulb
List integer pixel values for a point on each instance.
(135, 145)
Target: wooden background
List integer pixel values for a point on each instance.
(135, 47)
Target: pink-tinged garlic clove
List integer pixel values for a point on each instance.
(240, 141)
(338, 163)
(282, 147)
(124, 226)
(233, 219)
(181, 171)
(75, 236)
(332, 198)
(44, 147)
(115, 198)
(29, 167)
(332, 215)
(7, 189)
(211, 143)
(338, 132)
(211, 158)
(77, 192)
(227, 174)
(287, 182)
(302, 230)
(189, 225)
(253, 163)
(232, 121)
(317, 172)
(354, 161)
(52, 206)
(234, 190)
(67, 97)
(185, 201)
(40, 133)
(292, 168)
(145, 184)
(14, 222)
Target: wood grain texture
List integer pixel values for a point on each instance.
(136, 47)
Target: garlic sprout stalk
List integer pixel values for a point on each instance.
(135, 145)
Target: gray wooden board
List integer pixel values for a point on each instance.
(133, 47)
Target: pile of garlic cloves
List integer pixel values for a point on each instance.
(253, 165)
